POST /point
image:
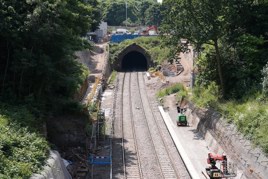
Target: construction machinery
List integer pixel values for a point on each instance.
(181, 118)
(223, 171)
(150, 30)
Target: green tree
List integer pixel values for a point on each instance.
(201, 22)
(38, 40)
(153, 15)
(235, 32)
(114, 12)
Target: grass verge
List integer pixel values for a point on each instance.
(249, 114)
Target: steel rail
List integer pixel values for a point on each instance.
(117, 104)
(162, 163)
(122, 126)
(150, 136)
(133, 129)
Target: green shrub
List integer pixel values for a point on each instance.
(250, 117)
(206, 96)
(181, 94)
(170, 90)
(112, 77)
(153, 45)
(93, 107)
(22, 151)
(249, 114)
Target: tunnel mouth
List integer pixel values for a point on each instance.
(134, 61)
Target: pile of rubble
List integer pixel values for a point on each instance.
(173, 69)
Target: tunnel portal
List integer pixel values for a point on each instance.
(134, 61)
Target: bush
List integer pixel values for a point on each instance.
(158, 51)
(206, 96)
(22, 151)
(250, 117)
(112, 77)
(249, 114)
(171, 90)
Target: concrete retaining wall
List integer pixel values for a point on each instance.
(107, 70)
(222, 136)
(54, 168)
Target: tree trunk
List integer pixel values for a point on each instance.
(6, 68)
(218, 58)
(21, 82)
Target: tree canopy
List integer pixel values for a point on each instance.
(38, 40)
(231, 37)
(139, 12)
(231, 40)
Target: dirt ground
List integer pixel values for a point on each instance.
(94, 59)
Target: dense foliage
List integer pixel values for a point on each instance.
(22, 150)
(38, 40)
(230, 36)
(138, 12)
(38, 73)
(174, 88)
(232, 41)
(250, 117)
(153, 45)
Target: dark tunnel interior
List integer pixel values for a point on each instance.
(134, 61)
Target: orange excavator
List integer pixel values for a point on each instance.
(224, 171)
(150, 30)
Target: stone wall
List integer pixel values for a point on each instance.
(117, 65)
(222, 136)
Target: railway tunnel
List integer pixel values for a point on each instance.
(134, 61)
(133, 57)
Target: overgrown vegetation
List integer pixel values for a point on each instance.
(206, 96)
(249, 114)
(38, 74)
(250, 117)
(174, 88)
(153, 45)
(38, 40)
(231, 40)
(22, 150)
(112, 77)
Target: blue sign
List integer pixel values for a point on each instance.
(99, 160)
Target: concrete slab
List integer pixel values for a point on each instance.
(193, 146)
(191, 152)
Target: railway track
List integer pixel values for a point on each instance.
(117, 147)
(166, 164)
(159, 126)
(140, 147)
(131, 154)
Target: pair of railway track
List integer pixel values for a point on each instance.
(140, 147)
